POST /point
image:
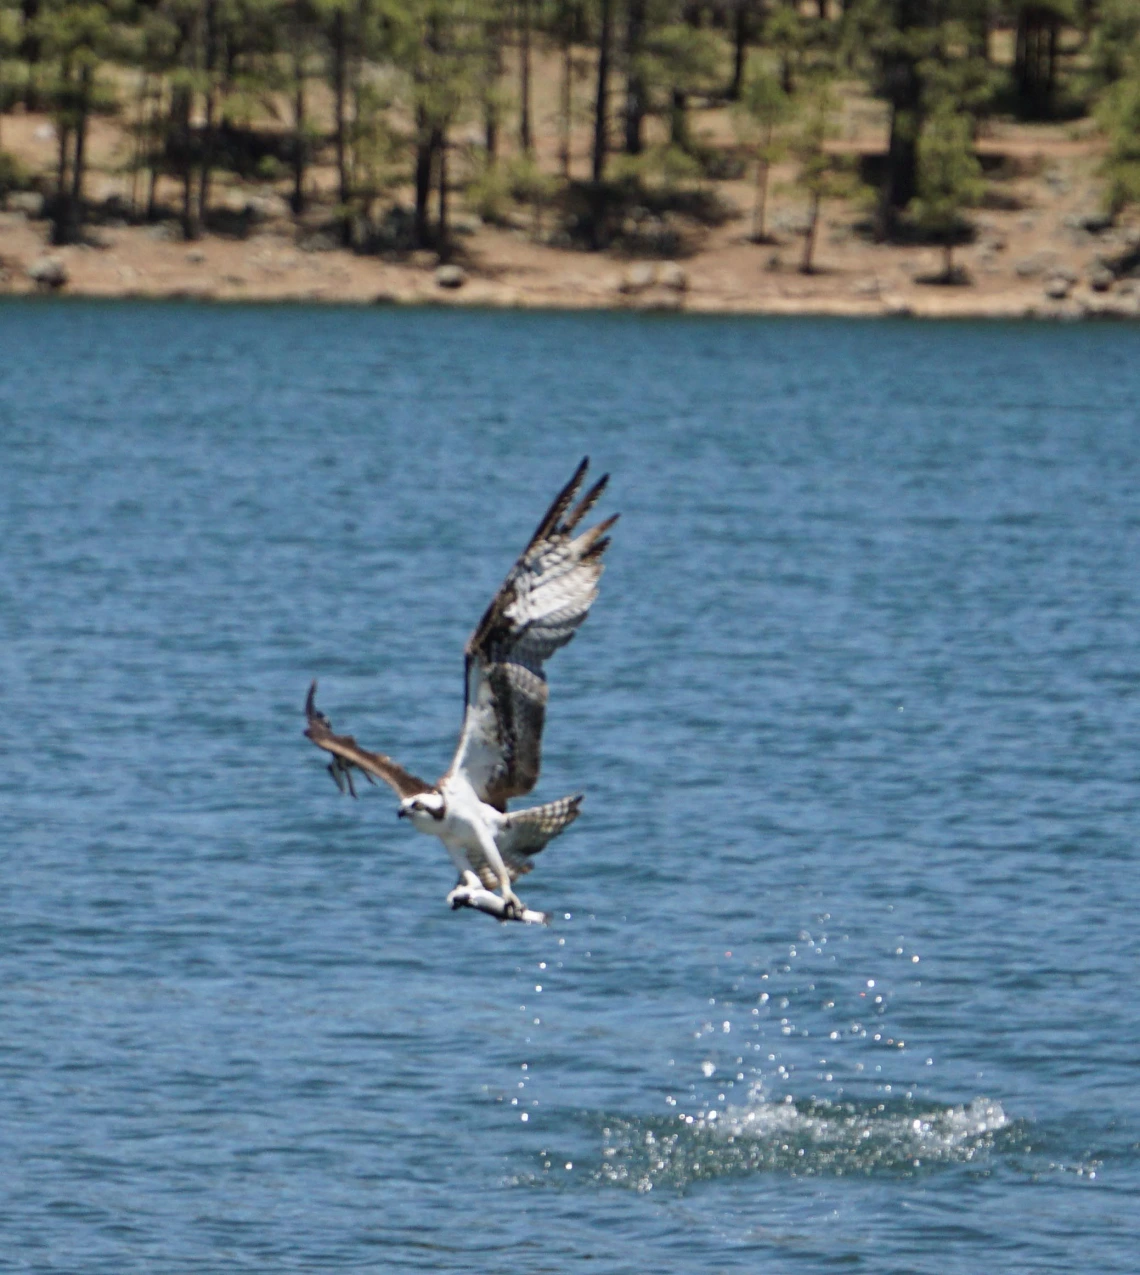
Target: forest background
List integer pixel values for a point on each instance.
(449, 135)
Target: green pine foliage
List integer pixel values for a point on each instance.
(949, 181)
(1120, 118)
(435, 94)
(759, 116)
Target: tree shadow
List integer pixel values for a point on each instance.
(955, 277)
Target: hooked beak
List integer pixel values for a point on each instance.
(401, 813)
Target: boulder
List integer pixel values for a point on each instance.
(1101, 279)
(1058, 287)
(318, 241)
(29, 202)
(673, 277)
(638, 277)
(262, 208)
(450, 276)
(466, 224)
(1028, 267)
(48, 273)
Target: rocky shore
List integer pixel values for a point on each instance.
(1042, 250)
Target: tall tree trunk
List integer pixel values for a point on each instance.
(635, 87)
(740, 32)
(142, 118)
(300, 142)
(425, 155)
(1050, 76)
(601, 100)
(154, 150)
(181, 104)
(806, 264)
(30, 52)
(566, 102)
(80, 161)
(61, 213)
(443, 239)
(679, 119)
(759, 207)
(903, 85)
(210, 57)
(526, 142)
(493, 71)
(340, 89)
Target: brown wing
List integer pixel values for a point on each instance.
(347, 753)
(543, 600)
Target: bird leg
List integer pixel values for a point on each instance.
(468, 882)
(341, 772)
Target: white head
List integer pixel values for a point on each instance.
(425, 810)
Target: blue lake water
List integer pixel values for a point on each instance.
(844, 968)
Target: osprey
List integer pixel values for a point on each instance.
(545, 597)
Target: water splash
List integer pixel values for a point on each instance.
(800, 1138)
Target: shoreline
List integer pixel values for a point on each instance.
(126, 264)
(1039, 250)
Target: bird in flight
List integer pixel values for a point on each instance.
(545, 597)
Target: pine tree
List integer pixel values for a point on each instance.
(77, 37)
(763, 107)
(949, 180)
(820, 174)
(1119, 116)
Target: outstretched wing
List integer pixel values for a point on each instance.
(543, 600)
(347, 754)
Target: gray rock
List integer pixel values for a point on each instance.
(28, 202)
(1058, 287)
(1101, 279)
(259, 208)
(48, 272)
(165, 232)
(318, 242)
(896, 308)
(639, 276)
(466, 224)
(450, 276)
(790, 223)
(1029, 267)
(673, 277)
(195, 256)
(1096, 222)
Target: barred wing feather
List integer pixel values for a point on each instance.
(523, 834)
(545, 597)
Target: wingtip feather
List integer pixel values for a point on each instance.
(561, 502)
